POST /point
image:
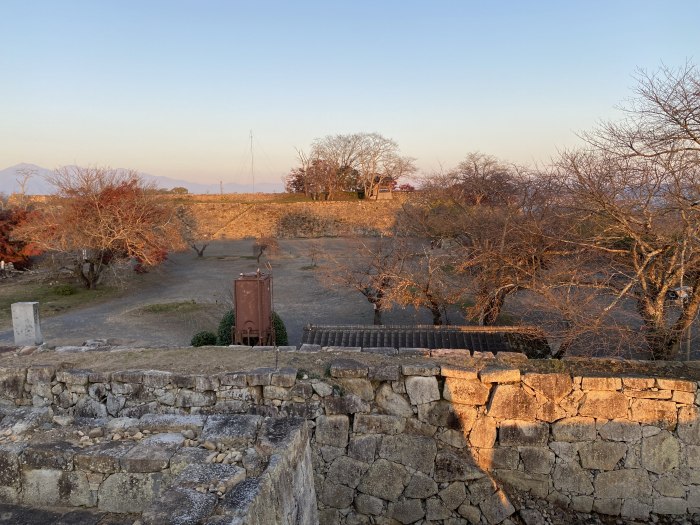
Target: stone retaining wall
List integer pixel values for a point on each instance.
(232, 469)
(422, 441)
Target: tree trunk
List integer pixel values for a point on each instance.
(377, 314)
(200, 251)
(663, 341)
(491, 309)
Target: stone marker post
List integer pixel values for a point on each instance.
(25, 321)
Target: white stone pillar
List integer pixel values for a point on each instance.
(25, 321)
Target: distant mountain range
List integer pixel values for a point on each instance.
(38, 184)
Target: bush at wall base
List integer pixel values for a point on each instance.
(223, 334)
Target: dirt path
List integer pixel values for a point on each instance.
(299, 297)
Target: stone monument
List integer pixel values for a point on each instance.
(26, 324)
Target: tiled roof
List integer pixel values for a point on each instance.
(493, 339)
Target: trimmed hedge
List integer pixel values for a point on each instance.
(203, 339)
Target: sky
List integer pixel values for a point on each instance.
(175, 88)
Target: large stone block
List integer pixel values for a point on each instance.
(604, 405)
(664, 505)
(420, 487)
(347, 404)
(385, 480)
(538, 460)
(465, 391)
(332, 430)
(346, 471)
(103, 458)
(126, 492)
(497, 458)
(412, 451)
(10, 473)
(378, 424)
(539, 485)
(360, 387)
(450, 466)
(46, 487)
(574, 429)
(12, 382)
(366, 504)
(496, 507)
(682, 385)
(601, 455)
(335, 495)
(572, 479)
(406, 511)
(552, 386)
(621, 430)
(601, 383)
(483, 433)
(499, 374)
(623, 484)
(661, 453)
(443, 414)
(512, 402)
(422, 389)
(392, 403)
(364, 448)
(235, 431)
(522, 433)
(655, 412)
(689, 425)
(179, 505)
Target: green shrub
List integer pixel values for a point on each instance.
(203, 339)
(63, 289)
(223, 334)
(228, 321)
(280, 330)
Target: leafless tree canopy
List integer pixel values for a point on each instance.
(359, 161)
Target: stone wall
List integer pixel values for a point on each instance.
(423, 441)
(232, 469)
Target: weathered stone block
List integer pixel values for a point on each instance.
(601, 383)
(406, 511)
(364, 448)
(574, 429)
(237, 430)
(638, 383)
(422, 390)
(156, 378)
(601, 455)
(610, 506)
(335, 495)
(655, 412)
(537, 484)
(385, 480)
(103, 458)
(450, 466)
(259, 376)
(522, 433)
(392, 403)
(360, 387)
(276, 392)
(664, 505)
(171, 423)
(435, 510)
(621, 430)
(459, 372)
(10, 473)
(483, 433)
(512, 402)
(685, 398)
(636, 510)
(179, 505)
(661, 453)
(669, 485)
(677, 384)
(498, 458)
(496, 507)
(346, 471)
(465, 391)
(190, 398)
(378, 424)
(384, 373)
(420, 487)
(412, 451)
(623, 484)
(499, 374)
(689, 425)
(347, 404)
(571, 478)
(366, 504)
(126, 492)
(553, 386)
(604, 404)
(45, 487)
(538, 460)
(420, 369)
(454, 438)
(152, 454)
(453, 495)
(348, 368)
(332, 430)
(40, 374)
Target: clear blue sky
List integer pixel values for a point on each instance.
(173, 87)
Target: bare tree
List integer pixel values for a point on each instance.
(101, 216)
(372, 270)
(24, 176)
